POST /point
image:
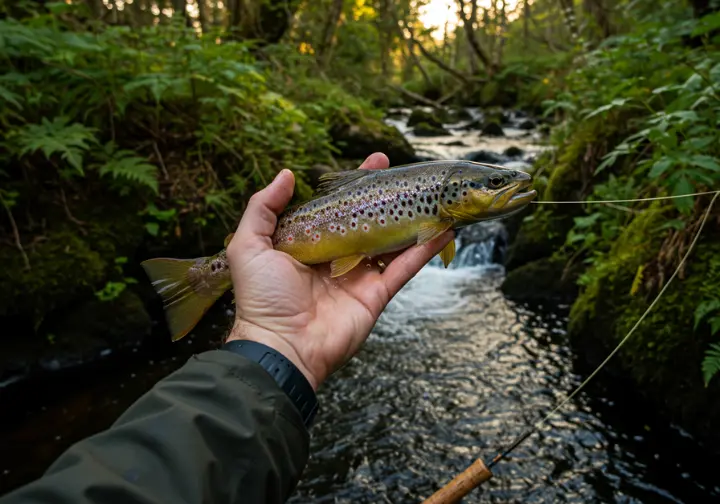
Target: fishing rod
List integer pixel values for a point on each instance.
(479, 472)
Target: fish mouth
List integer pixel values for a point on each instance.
(514, 196)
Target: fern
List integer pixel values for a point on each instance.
(711, 363)
(70, 140)
(125, 165)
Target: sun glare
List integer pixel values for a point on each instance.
(438, 12)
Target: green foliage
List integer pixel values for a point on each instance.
(56, 136)
(124, 164)
(711, 363)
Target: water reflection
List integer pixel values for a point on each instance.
(453, 371)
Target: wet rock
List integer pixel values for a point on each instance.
(456, 115)
(483, 156)
(527, 124)
(497, 115)
(420, 116)
(455, 143)
(473, 125)
(513, 151)
(429, 130)
(359, 139)
(492, 129)
(540, 281)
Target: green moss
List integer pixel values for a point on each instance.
(63, 265)
(419, 116)
(663, 355)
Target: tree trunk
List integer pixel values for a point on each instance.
(472, 40)
(568, 9)
(97, 8)
(326, 40)
(218, 13)
(526, 23)
(203, 15)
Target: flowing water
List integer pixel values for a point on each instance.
(452, 371)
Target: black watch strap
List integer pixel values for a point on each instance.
(285, 373)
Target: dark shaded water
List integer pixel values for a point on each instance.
(451, 372)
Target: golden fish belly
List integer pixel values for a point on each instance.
(325, 246)
(381, 213)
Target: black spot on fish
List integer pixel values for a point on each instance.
(435, 210)
(464, 193)
(397, 218)
(449, 202)
(362, 212)
(455, 184)
(410, 214)
(427, 210)
(454, 195)
(395, 205)
(417, 187)
(432, 178)
(400, 212)
(382, 211)
(370, 214)
(380, 191)
(403, 203)
(437, 196)
(419, 209)
(406, 183)
(390, 211)
(472, 184)
(353, 224)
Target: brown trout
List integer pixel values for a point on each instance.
(354, 215)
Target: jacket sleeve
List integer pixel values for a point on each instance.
(219, 430)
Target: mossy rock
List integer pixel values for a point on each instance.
(429, 130)
(543, 280)
(513, 152)
(420, 116)
(457, 114)
(62, 266)
(357, 139)
(663, 356)
(94, 325)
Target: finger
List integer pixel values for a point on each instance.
(260, 217)
(375, 161)
(409, 263)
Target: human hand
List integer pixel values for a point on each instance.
(317, 322)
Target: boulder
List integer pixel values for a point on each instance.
(359, 139)
(484, 156)
(492, 129)
(420, 116)
(527, 124)
(513, 152)
(429, 130)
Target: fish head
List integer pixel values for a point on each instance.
(476, 191)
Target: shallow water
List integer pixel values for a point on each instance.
(452, 371)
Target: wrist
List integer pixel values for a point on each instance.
(243, 330)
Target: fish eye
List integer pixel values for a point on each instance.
(496, 181)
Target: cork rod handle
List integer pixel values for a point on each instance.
(462, 484)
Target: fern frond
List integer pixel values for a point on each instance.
(711, 363)
(125, 165)
(70, 140)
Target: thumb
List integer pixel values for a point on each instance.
(260, 217)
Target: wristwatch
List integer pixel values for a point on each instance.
(285, 373)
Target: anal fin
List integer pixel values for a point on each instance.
(343, 265)
(448, 253)
(430, 230)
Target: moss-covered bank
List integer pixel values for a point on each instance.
(611, 284)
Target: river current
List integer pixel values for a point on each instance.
(452, 371)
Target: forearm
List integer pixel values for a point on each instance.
(219, 430)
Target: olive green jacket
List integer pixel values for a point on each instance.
(218, 430)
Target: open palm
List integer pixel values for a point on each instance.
(316, 321)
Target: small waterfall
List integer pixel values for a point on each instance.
(481, 244)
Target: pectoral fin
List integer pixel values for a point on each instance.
(431, 230)
(343, 265)
(448, 253)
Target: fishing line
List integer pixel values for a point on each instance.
(536, 427)
(627, 200)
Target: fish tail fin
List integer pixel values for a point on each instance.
(184, 305)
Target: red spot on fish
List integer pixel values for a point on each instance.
(290, 238)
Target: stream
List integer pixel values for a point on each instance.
(452, 371)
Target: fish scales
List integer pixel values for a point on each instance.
(355, 215)
(381, 212)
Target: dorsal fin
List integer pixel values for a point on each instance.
(329, 182)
